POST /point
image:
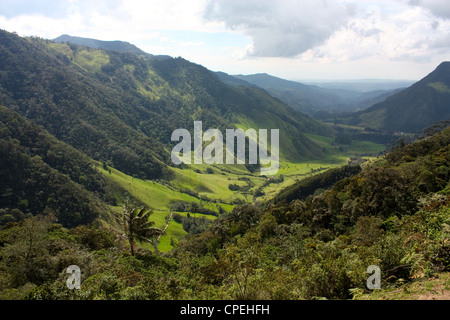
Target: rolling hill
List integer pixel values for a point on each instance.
(413, 109)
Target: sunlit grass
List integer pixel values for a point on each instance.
(212, 182)
(91, 60)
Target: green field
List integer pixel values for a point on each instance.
(208, 185)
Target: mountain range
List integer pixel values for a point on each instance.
(413, 109)
(119, 46)
(122, 107)
(377, 105)
(315, 99)
(305, 98)
(67, 102)
(64, 105)
(410, 109)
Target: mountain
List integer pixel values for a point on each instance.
(41, 174)
(63, 105)
(313, 99)
(233, 81)
(120, 46)
(121, 108)
(413, 109)
(370, 99)
(364, 85)
(301, 97)
(393, 215)
(64, 90)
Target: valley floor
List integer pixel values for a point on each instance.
(211, 186)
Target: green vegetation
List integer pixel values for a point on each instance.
(136, 225)
(436, 287)
(413, 109)
(119, 46)
(440, 87)
(40, 174)
(393, 213)
(85, 139)
(121, 108)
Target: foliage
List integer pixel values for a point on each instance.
(121, 108)
(191, 224)
(306, 187)
(413, 109)
(40, 174)
(136, 226)
(314, 241)
(312, 249)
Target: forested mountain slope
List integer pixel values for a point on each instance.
(119, 46)
(74, 103)
(40, 174)
(123, 107)
(393, 214)
(413, 109)
(312, 99)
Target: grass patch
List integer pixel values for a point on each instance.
(91, 61)
(62, 48)
(440, 87)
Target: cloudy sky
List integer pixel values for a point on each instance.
(292, 39)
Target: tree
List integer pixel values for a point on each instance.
(241, 262)
(136, 226)
(25, 256)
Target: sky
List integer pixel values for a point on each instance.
(293, 39)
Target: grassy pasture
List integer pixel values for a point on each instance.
(209, 184)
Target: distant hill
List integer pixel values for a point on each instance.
(370, 99)
(119, 46)
(413, 109)
(233, 81)
(301, 97)
(364, 85)
(313, 99)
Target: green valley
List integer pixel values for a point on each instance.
(115, 108)
(88, 180)
(209, 185)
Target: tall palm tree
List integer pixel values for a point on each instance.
(136, 226)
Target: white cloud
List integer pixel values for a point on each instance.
(283, 28)
(282, 37)
(324, 31)
(411, 34)
(168, 15)
(108, 19)
(439, 8)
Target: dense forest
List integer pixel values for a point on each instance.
(41, 174)
(393, 213)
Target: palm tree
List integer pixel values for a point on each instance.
(137, 227)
